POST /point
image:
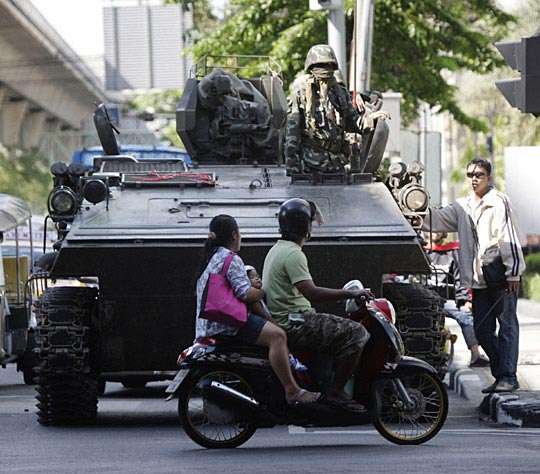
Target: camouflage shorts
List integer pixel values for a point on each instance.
(327, 333)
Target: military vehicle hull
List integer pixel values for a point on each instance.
(145, 252)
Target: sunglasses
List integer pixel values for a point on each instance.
(476, 175)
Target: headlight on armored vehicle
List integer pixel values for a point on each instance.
(95, 190)
(62, 200)
(415, 198)
(415, 168)
(397, 170)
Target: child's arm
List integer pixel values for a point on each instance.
(258, 309)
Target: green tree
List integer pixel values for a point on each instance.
(414, 42)
(26, 174)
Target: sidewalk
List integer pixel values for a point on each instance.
(520, 408)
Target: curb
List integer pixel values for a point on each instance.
(465, 382)
(518, 409)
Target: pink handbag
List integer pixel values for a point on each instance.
(219, 303)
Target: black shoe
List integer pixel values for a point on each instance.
(480, 361)
(504, 387)
(490, 388)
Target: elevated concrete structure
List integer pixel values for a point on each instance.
(44, 84)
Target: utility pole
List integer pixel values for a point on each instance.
(362, 44)
(336, 28)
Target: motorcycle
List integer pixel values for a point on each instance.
(226, 391)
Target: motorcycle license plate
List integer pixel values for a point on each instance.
(177, 381)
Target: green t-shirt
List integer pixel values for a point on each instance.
(285, 265)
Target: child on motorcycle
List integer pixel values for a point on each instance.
(260, 309)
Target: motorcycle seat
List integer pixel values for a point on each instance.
(231, 344)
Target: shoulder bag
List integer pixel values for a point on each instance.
(219, 303)
(494, 271)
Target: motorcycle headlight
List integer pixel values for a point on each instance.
(62, 200)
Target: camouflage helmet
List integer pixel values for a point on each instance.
(340, 79)
(320, 54)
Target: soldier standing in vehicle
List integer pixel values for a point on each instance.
(320, 113)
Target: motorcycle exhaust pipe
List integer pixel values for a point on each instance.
(231, 399)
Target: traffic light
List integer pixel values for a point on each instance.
(523, 56)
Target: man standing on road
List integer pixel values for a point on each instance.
(491, 262)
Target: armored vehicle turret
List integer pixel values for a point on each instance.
(130, 235)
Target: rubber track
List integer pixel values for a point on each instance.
(66, 394)
(420, 320)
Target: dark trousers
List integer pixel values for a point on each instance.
(492, 306)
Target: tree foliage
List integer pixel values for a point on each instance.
(414, 42)
(26, 174)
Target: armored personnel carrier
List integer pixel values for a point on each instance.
(130, 235)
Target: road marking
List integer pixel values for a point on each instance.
(529, 432)
(19, 404)
(118, 405)
(10, 404)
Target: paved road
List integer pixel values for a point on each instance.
(137, 432)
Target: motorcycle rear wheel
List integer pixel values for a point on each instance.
(424, 421)
(205, 422)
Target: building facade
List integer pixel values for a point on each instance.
(144, 42)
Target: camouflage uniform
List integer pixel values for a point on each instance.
(320, 113)
(328, 333)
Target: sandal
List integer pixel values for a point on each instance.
(297, 400)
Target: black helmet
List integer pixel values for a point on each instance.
(294, 218)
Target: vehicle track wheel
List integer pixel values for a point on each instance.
(420, 423)
(66, 385)
(29, 361)
(206, 421)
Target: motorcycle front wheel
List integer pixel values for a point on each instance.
(209, 422)
(416, 425)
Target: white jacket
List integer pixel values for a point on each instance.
(484, 227)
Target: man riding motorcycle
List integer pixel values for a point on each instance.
(290, 290)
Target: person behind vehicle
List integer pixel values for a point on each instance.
(223, 238)
(444, 257)
(320, 113)
(487, 230)
(290, 290)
